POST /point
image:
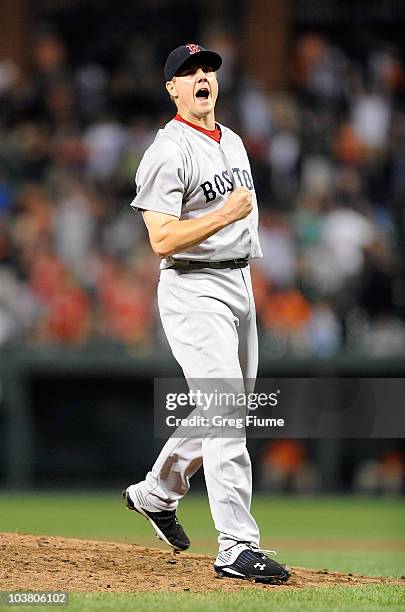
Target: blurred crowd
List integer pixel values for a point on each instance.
(288, 466)
(327, 154)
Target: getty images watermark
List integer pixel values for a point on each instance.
(215, 408)
(208, 409)
(280, 408)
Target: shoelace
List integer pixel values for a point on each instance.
(256, 549)
(261, 551)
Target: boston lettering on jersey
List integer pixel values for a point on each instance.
(222, 183)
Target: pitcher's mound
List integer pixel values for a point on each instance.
(62, 564)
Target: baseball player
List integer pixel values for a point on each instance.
(196, 193)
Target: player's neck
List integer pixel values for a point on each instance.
(207, 122)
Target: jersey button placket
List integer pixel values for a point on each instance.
(232, 178)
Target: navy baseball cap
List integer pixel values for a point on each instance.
(181, 55)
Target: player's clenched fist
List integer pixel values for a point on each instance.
(238, 205)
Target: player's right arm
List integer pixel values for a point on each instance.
(169, 235)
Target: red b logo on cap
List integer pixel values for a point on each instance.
(193, 48)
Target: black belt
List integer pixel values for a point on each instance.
(195, 264)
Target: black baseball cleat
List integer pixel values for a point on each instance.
(248, 562)
(165, 523)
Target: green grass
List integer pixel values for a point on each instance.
(327, 532)
(338, 599)
(102, 516)
(338, 533)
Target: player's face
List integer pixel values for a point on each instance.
(195, 90)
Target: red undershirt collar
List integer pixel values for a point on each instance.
(214, 134)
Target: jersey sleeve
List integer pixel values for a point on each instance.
(160, 180)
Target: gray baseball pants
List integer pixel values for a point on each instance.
(210, 322)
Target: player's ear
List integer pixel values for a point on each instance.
(171, 88)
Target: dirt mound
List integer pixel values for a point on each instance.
(48, 563)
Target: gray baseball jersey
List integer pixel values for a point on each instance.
(186, 174)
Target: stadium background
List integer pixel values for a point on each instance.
(316, 90)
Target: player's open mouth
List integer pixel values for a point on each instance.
(203, 93)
